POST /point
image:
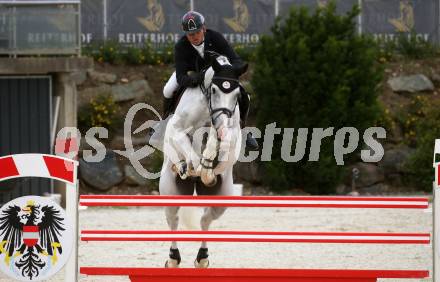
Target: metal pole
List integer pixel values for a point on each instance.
(438, 22)
(277, 8)
(104, 5)
(360, 2)
(14, 30)
(55, 120)
(79, 30)
(191, 5)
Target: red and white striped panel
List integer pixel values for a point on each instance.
(437, 175)
(256, 201)
(38, 165)
(255, 236)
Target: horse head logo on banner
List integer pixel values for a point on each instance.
(156, 18)
(240, 21)
(405, 22)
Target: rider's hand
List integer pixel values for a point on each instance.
(195, 78)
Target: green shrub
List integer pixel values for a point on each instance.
(115, 53)
(413, 47)
(246, 53)
(406, 45)
(409, 117)
(134, 56)
(387, 50)
(108, 51)
(315, 71)
(102, 111)
(155, 166)
(165, 54)
(427, 129)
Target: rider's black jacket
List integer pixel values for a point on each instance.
(188, 59)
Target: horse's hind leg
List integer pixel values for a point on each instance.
(210, 214)
(171, 185)
(167, 186)
(225, 187)
(173, 222)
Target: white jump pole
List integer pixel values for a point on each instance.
(435, 214)
(70, 137)
(72, 195)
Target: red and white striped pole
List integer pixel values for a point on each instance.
(436, 213)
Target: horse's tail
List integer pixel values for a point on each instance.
(190, 217)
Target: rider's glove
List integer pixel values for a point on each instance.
(195, 78)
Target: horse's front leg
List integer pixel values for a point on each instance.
(207, 164)
(182, 154)
(173, 222)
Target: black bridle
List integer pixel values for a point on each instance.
(208, 93)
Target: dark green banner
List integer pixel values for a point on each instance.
(92, 20)
(342, 6)
(243, 21)
(385, 19)
(240, 21)
(134, 22)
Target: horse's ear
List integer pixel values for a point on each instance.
(241, 68)
(216, 65)
(209, 57)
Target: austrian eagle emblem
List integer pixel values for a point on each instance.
(30, 237)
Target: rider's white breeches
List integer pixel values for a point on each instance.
(170, 86)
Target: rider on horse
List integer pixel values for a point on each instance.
(191, 60)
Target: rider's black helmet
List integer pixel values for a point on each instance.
(192, 22)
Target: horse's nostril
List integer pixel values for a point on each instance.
(221, 132)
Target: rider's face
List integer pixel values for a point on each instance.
(196, 38)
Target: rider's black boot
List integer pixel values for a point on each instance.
(167, 107)
(243, 103)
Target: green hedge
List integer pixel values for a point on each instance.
(115, 53)
(426, 127)
(315, 71)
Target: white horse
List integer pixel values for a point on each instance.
(201, 144)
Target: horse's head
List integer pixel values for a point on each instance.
(223, 92)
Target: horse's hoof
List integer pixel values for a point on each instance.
(181, 169)
(174, 260)
(172, 263)
(212, 183)
(203, 263)
(202, 258)
(209, 179)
